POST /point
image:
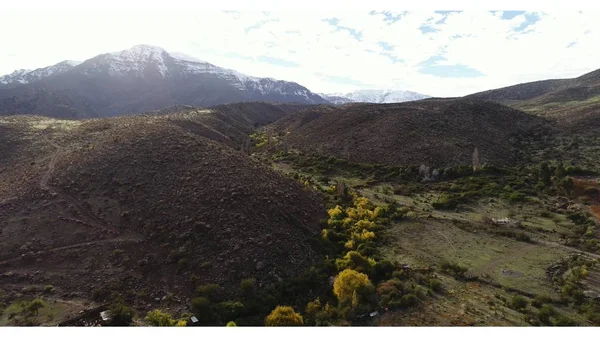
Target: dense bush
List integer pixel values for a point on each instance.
(454, 268)
(210, 291)
(201, 306)
(545, 313)
(355, 260)
(518, 302)
(159, 318)
(121, 315)
(248, 286)
(284, 316)
(445, 201)
(230, 310)
(540, 300)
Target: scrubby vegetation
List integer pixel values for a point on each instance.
(23, 313)
(283, 316)
(159, 318)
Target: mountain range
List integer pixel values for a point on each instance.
(374, 96)
(145, 78)
(142, 78)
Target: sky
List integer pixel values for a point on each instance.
(438, 53)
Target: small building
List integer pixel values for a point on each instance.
(193, 321)
(105, 315)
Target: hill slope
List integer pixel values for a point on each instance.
(138, 79)
(434, 132)
(142, 203)
(574, 103)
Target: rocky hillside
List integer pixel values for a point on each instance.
(147, 204)
(139, 79)
(434, 132)
(573, 103)
(580, 88)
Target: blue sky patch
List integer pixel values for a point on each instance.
(427, 29)
(430, 67)
(530, 19)
(256, 26)
(386, 46)
(335, 22)
(445, 14)
(507, 15)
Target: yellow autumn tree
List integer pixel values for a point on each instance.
(363, 236)
(347, 282)
(283, 316)
(336, 213)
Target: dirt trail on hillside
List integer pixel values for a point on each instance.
(573, 249)
(125, 238)
(88, 216)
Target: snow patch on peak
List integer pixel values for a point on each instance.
(70, 63)
(187, 58)
(375, 96)
(135, 59)
(142, 50)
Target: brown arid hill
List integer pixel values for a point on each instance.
(142, 204)
(573, 103)
(547, 91)
(433, 132)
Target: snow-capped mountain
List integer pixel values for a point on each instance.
(374, 96)
(139, 79)
(24, 76)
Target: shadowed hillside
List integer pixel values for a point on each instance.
(148, 204)
(431, 132)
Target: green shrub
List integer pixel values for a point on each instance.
(562, 320)
(248, 286)
(201, 307)
(454, 268)
(516, 196)
(445, 201)
(435, 285)
(182, 264)
(518, 302)
(383, 270)
(390, 293)
(121, 315)
(356, 261)
(117, 252)
(34, 306)
(159, 318)
(100, 294)
(30, 289)
(540, 300)
(545, 313)
(49, 288)
(230, 310)
(210, 291)
(409, 300)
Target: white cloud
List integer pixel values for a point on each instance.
(479, 40)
